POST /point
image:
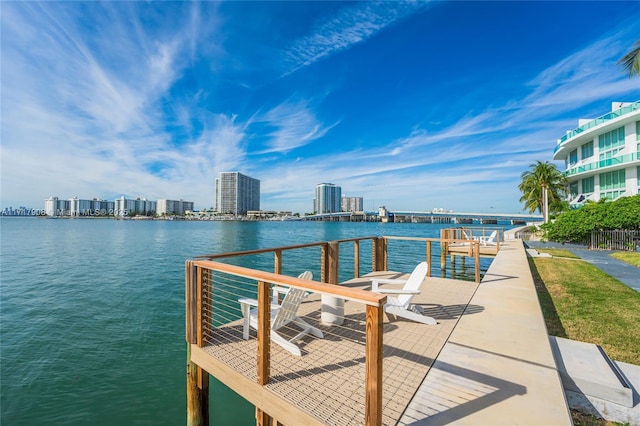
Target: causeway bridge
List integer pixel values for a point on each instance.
(434, 216)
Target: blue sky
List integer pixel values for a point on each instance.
(414, 105)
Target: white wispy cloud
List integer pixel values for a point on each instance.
(355, 24)
(590, 75)
(484, 153)
(88, 104)
(293, 124)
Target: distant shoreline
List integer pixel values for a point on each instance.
(500, 224)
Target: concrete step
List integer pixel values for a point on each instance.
(585, 368)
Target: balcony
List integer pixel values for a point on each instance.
(601, 164)
(596, 122)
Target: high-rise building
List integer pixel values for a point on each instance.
(79, 207)
(53, 206)
(236, 193)
(602, 155)
(352, 204)
(125, 207)
(328, 198)
(173, 207)
(103, 207)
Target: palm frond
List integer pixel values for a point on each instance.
(631, 61)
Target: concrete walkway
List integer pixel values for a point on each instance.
(497, 368)
(622, 271)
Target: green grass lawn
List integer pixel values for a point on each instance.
(631, 257)
(580, 302)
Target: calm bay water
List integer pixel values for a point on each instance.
(92, 313)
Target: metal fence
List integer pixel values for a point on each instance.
(525, 235)
(623, 239)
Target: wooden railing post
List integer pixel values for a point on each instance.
(443, 252)
(324, 262)
(277, 269)
(190, 297)
(356, 259)
(385, 255)
(264, 341)
(476, 259)
(429, 258)
(264, 332)
(379, 253)
(198, 314)
(263, 419)
(374, 254)
(333, 262)
(197, 378)
(373, 366)
(197, 393)
(277, 262)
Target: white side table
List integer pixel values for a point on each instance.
(332, 310)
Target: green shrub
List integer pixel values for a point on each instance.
(576, 225)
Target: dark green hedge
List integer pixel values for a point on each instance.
(576, 225)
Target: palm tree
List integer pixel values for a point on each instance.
(542, 178)
(631, 61)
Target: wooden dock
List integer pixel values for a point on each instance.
(486, 361)
(327, 380)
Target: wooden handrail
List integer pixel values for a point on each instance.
(444, 240)
(347, 293)
(256, 251)
(274, 249)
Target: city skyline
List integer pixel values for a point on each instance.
(121, 206)
(412, 105)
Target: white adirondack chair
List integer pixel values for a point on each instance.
(282, 316)
(488, 241)
(399, 300)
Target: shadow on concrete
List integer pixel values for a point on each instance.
(481, 391)
(442, 312)
(488, 278)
